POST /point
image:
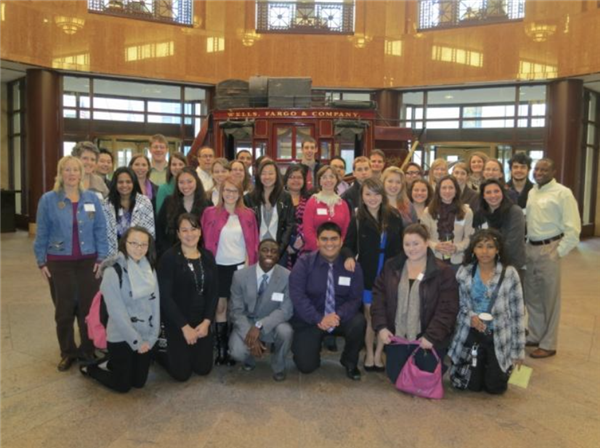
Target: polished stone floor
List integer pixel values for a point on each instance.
(41, 407)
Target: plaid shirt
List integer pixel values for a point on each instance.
(508, 312)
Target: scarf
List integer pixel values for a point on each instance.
(330, 200)
(141, 278)
(494, 218)
(408, 312)
(445, 222)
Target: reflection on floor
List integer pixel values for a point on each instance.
(44, 408)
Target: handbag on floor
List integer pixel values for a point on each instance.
(415, 381)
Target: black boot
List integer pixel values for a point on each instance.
(222, 336)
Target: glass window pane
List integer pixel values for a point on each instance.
(69, 113)
(195, 94)
(84, 114)
(164, 119)
(538, 122)
(118, 104)
(443, 112)
(538, 109)
(523, 122)
(532, 93)
(197, 125)
(16, 90)
(115, 116)
(68, 147)
(84, 101)
(164, 107)
(17, 150)
(76, 84)
(69, 100)
(588, 182)
(284, 142)
(16, 123)
(476, 124)
(301, 134)
(523, 110)
(325, 150)
(442, 125)
(419, 113)
(592, 107)
(364, 96)
(472, 96)
(591, 134)
(412, 98)
(136, 89)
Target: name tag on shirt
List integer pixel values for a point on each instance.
(344, 281)
(420, 276)
(485, 225)
(89, 207)
(321, 211)
(277, 297)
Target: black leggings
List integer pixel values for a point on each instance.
(128, 368)
(182, 359)
(487, 375)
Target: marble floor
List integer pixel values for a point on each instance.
(41, 407)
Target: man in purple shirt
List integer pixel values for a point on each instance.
(326, 299)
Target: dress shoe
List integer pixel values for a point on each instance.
(65, 364)
(541, 353)
(379, 369)
(532, 344)
(248, 367)
(369, 368)
(353, 373)
(279, 376)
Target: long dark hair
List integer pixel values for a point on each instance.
(257, 195)
(176, 155)
(436, 203)
(114, 198)
(484, 235)
(383, 215)
(193, 220)
(506, 201)
(291, 170)
(150, 255)
(175, 203)
(427, 185)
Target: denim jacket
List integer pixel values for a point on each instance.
(54, 234)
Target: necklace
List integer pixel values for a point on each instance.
(198, 277)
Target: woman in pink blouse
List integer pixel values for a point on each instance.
(324, 206)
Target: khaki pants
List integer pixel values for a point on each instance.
(542, 294)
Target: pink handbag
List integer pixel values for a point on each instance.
(415, 381)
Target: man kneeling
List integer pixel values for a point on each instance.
(260, 308)
(327, 300)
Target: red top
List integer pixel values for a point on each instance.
(316, 213)
(76, 255)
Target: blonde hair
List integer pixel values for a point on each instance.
(240, 201)
(221, 161)
(58, 180)
(436, 163)
(402, 201)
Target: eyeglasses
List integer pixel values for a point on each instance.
(137, 245)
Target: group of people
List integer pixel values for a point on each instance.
(191, 261)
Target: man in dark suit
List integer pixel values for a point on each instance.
(260, 308)
(361, 169)
(327, 299)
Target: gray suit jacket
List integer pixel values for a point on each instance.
(246, 308)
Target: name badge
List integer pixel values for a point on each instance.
(321, 211)
(89, 207)
(485, 225)
(277, 297)
(344, 281)
(420, 276)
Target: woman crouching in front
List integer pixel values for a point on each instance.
(490, 338)
(130, 290)
(189, 296)
(415, 298)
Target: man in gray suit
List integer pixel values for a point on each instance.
(259, 310)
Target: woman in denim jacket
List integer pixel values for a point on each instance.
(69, 246)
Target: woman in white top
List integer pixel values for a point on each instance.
(231, 235)
(449, 222)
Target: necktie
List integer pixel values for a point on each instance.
(263, 285)
(330, 294)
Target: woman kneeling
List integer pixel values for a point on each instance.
(130, 290)
(490, 336)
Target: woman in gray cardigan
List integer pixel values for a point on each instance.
(130, 290)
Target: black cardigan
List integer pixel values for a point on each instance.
(177, 287)
(364, 239)
(285, 215)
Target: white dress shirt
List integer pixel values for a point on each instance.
(552, 210)
(206, 178)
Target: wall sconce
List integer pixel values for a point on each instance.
(69, 25)
(539, 32)
(250, 38)
(360, 40)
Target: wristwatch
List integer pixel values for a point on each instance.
(258, 324)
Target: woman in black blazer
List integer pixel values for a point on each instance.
(187, 277)
(374, 236)
(267, 198)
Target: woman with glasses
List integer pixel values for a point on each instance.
(130, 290)
(231, 235)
